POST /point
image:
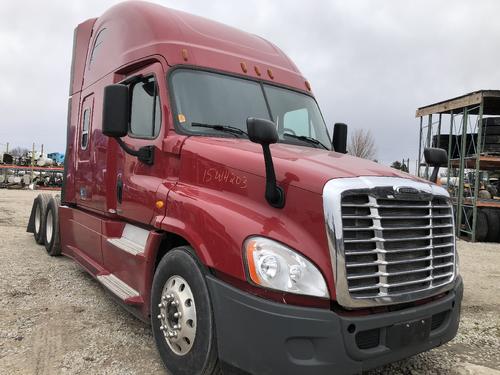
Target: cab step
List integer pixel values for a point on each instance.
(132, 241)
(122, 290)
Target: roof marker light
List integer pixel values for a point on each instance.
(308, 86)
(185, 54)
(244, 67)
(270, 73)
(257, 70)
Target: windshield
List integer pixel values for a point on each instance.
(219, 100)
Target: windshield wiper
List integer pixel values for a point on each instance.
(222, 128)
(307, 139)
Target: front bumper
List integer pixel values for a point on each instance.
(262, 337)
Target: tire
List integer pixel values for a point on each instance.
(179, 285)
(493, 225)
(491, 139)
(51, 234)
(481, 226)
(40, 208)
(492, 130)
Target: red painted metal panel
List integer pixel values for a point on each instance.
(81, 233)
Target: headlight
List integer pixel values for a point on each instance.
(275, 266)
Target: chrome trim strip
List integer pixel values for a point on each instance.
(332, 200)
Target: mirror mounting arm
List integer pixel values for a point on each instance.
(145, 154)
(275, 195)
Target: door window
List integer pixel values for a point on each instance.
(145, 115)
(85, 129)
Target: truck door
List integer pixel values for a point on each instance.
(136, 183)
(83, 177)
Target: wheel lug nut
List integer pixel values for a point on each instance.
(171, 334)
(177, 327)
(174, 303)
(159, 316)
(177, 315)
(160, 305)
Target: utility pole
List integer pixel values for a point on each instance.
(32, 162)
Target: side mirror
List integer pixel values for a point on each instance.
(262, 131)
(115, 116)
(339, 142)
(435, 157)
(265, 133)
(115, 111)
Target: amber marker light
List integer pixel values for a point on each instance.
(270, 73)
(308, 86)
(257, 70)
(244, 67)
(159, 204)
(251, 246)
(185, 54)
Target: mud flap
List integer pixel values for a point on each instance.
(31, 221)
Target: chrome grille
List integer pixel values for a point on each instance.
(389, 247)
(396, 246)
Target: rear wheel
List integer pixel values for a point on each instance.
(181, 315)
(51, 233)
(40, 207)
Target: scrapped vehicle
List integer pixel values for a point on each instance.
(203, 191)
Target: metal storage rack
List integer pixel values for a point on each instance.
(464, 117)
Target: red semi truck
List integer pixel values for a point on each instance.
(202, 189)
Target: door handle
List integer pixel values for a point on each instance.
(119, 190)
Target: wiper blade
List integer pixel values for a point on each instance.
(307, 139)
(223, 128)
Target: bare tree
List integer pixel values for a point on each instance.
(18, 151)
(362, 144)
(401, 166)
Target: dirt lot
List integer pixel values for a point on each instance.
(56, 319)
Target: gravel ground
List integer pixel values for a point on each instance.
(56, 319)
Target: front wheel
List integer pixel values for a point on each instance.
(182, 317)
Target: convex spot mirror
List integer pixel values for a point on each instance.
(435, 157)
(262, 131)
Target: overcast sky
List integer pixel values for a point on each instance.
(371, 63)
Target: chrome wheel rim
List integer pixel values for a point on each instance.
(38, 220)
(49, 228)
(178, 315)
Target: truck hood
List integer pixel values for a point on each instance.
(304, 167)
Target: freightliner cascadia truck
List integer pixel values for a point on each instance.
(202, 190)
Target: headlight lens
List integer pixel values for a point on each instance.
(275, 266)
